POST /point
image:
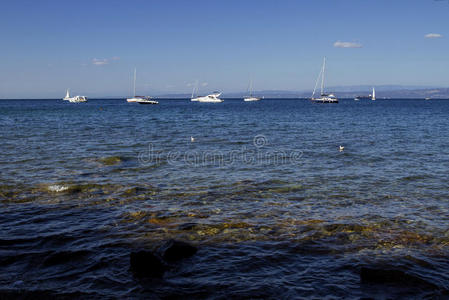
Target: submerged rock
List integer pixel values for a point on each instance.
(111, 160)
(187, 226)
(177, 250)
(146, 264)
(390, 276)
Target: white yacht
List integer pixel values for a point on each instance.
(145, 100)
(140, 99)
(75, 99)
(250, 97)
(373, 95)
(324, 98)
(211, 98)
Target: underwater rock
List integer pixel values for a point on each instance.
(110, 160)
(388, 276)
(177, 250)
(187, 226)
(146, 264)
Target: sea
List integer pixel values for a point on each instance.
(262, 190)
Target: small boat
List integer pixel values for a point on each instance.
(211, 98)
(250, 98)
(370, 96)
(145, 100)
(140, 99)
(324, 98)
(427, 98)
(75, 99)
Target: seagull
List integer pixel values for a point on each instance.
(341, 148)
(192, 139)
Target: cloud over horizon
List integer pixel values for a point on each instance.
(340, 44)
(433, 36)
(100, 61)
(104, 61)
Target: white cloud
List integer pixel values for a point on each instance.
(339, 44)
(204, 84)
(433, 35)
(100, 61)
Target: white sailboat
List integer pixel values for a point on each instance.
(251, 97)
(324, 98)
(140, 99)
(373, 95)
(75, 99)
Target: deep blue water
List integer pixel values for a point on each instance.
(277, 210)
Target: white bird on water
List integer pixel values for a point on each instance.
(192, 139)
(341, 148)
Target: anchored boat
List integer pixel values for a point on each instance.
(324, 98)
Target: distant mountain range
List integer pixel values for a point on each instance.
(382, 91)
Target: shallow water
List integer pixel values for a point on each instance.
(274, 207)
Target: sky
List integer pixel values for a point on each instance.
(92, 47)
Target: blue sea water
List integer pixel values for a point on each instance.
(275, 209)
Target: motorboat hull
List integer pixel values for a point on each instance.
(148, 102)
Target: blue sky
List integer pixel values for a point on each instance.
(93, 46)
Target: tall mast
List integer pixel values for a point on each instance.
(195, 86)
(250, 87)
(316, 82)
(134, 95)
(322, 79)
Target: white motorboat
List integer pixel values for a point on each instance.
(211, 98)
(145, 100)
(75, 99)
(324, 98)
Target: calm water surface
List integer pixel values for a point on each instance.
(275, 209)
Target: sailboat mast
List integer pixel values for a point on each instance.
(322, 78)
(134, 95)
(374, 95)
(316, 82)
(251, 88)
(195, 86)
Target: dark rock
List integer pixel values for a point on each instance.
(146, 264)
(177, 250)
(389, 276)
(187, 226)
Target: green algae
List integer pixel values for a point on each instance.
(111, 160)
